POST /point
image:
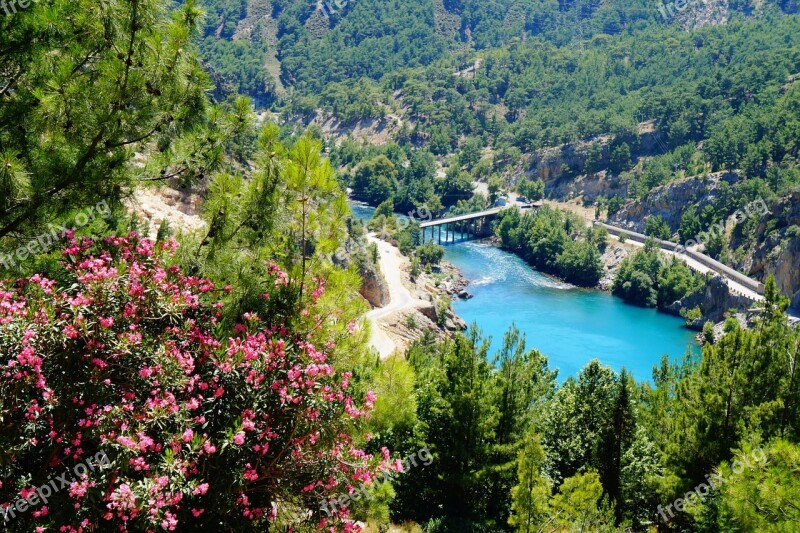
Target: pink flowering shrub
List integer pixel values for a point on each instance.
(202, 427)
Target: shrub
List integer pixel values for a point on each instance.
(691, 315)
(430, 253)
(656, 226)
(123, 355)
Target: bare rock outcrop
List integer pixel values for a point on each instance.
(778, 253)
(670, 201)
(612, 257)
(713, 302)
(373, 288)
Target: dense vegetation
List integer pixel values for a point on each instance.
(211, 379)
(70, 122)
(512, 446)
(611, 89)
(555, 242)
(604, 68)
(496, 89)
(221, 377)
(647, 278)
(120, 360)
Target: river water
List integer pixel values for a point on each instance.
(568, 324)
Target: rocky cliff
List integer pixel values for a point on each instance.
(713, 302)
(777, 248)
(670, 201)
(373, 288)
(562, 168)
(773, 248)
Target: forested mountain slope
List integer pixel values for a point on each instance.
(334, 40)
(220, 379)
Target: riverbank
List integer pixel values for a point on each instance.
(569, 324)
(723, 288)
(415, 305)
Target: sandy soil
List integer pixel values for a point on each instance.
(587, 213)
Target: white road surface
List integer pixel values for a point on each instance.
(391, 264)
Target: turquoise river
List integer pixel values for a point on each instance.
(570, 325)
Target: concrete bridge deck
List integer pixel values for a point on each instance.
(462, 218)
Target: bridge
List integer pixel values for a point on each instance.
(478, 223)
(472, 223)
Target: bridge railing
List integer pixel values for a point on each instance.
(461, 218)
(703, 259)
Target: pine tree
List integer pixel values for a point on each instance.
(90, 84)
(530, 496)
(523, 384)
(617, 439)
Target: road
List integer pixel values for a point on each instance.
(391, 264)
(733, 285)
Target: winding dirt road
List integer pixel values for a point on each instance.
(391, 264)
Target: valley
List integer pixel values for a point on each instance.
(419, 266)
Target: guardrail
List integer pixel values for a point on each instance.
(703, 259)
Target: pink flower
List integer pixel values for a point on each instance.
(170, 522)
(250, 473)
(182, 366)
(127, 442)
(209, 448)
(370, 398)
(123, 498)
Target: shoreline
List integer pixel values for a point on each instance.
(414, 306)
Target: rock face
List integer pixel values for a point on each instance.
(453, 322)
(429, 312)
(454, 284)
(612, 258)
(777, 234)
(713, 302)
(180, 209)
(550, 164)
(785, 266)
(587, 187)
(450, 320)
(557, 166)
(670, 201)
(410, 326)
(373, 285)
(779, 250)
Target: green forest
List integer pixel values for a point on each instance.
(221, 378)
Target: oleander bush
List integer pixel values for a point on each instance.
(119, 362)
